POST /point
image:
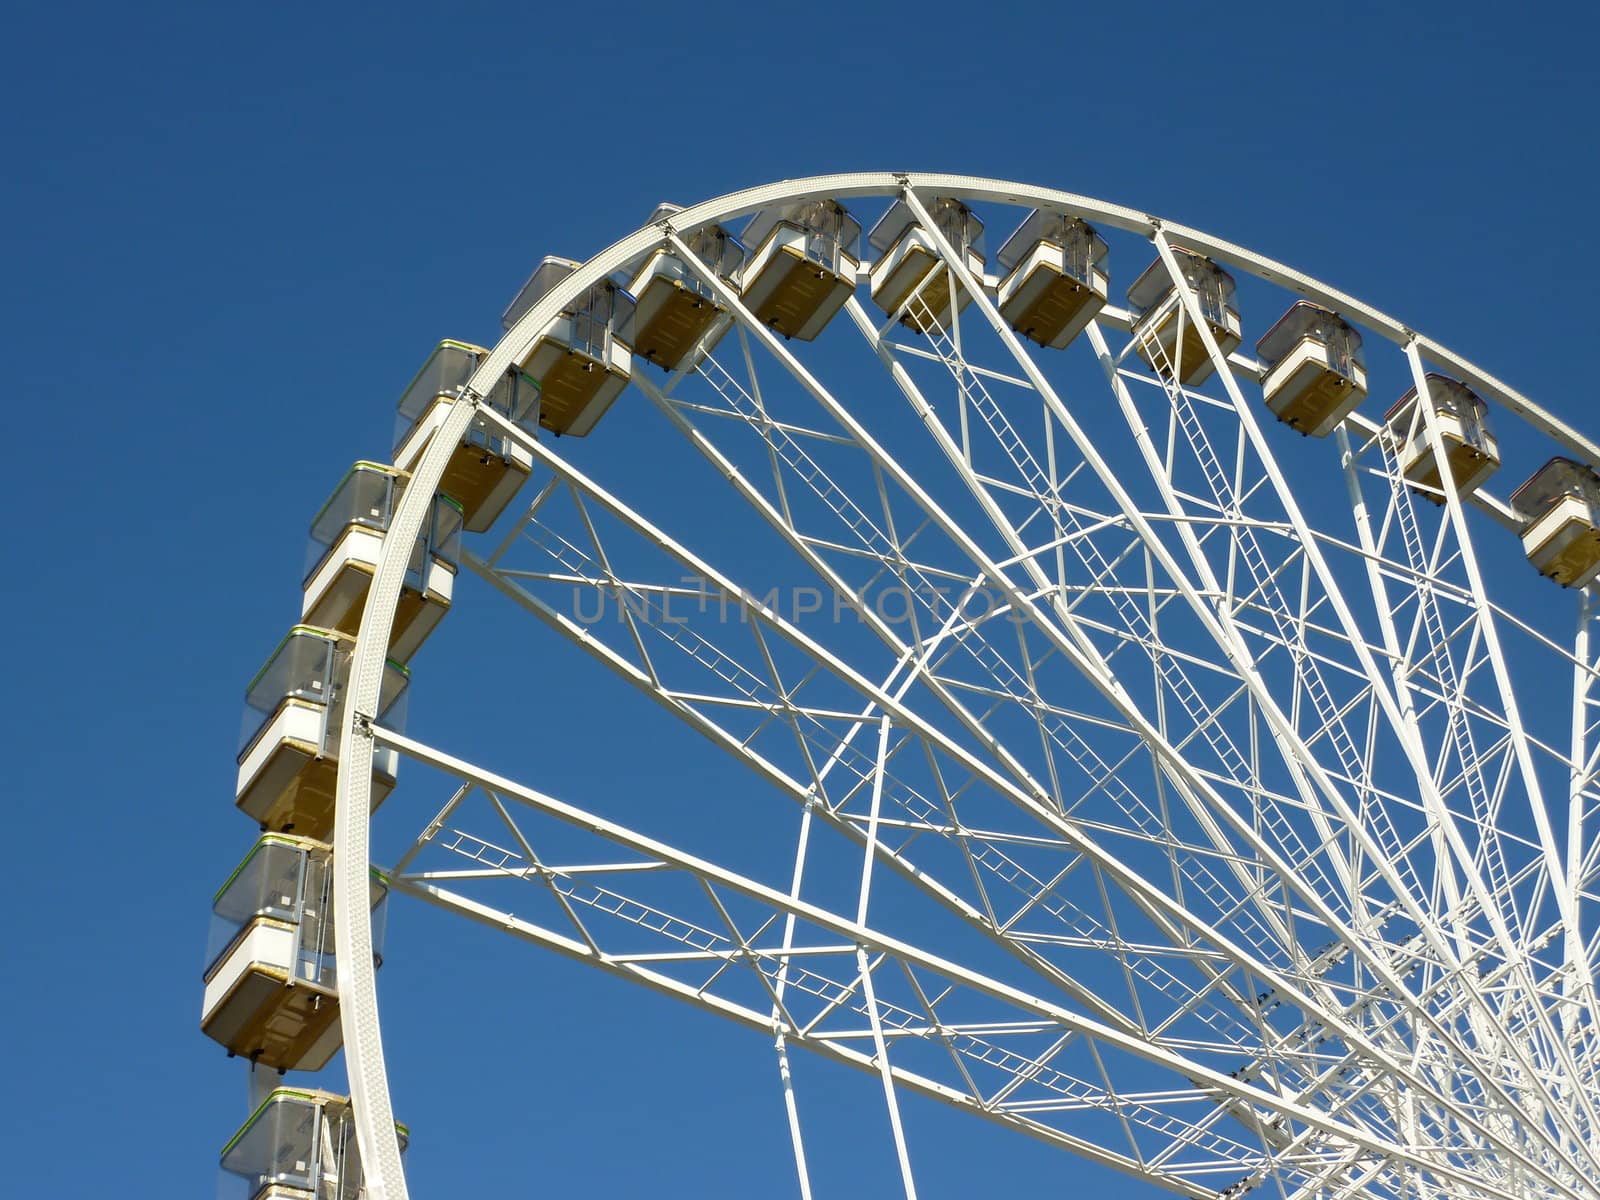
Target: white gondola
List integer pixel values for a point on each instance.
(1316, 369)
(678, 319)
(300, 1144)
(346, 540)
(1053, 278)
(289, 754)
(1561, 505)
(487, 469)
(581, 358)
(1163, 334)
(803, 266)
(1470, 446)
(270, 982)
(909, 279)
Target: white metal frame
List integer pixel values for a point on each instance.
(1250, 616)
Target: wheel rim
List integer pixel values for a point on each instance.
(1317, 787)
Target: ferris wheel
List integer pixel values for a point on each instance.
(1167, 734)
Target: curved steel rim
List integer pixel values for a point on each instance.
(364, 1058)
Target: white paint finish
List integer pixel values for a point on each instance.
(342, 577)
(1038, 270)
(264, 942)
(1303, 368)
(366, 1057)
(1563, 524)
(770, 265)
(278, 749)
(904, 267)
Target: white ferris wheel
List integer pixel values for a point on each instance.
(1160, 739)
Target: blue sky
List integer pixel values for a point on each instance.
(232, 234)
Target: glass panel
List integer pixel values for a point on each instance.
(690, 279)
(343, 1177)
(290, 880)
(346, 1155)
(718, 249)
(444, 535)
(282, 1144)
(447, 369)
(1345, 351)
(1557, 480)
(824, 227)
(623, 303)
(380, 914)
(588, 332)
(588, 335)
(959, 224)
(439, 537)
(597, 315)
(265, 884)
(712, 244)
(302, 668)
(1084, 251)
(1299, 322)
(343, 650)
(830, 231)
(1306, 320)
(1152, 287)
(546, 275)
(516, 396)
(1036, 227)
(364, 497)
(298, 1139)
(392, 695)
(487, 438)
(522, 397)
(1213, 287)
(1455, 399)
(891, 227)
(1451, 399)
(416, 567)
(316, 964)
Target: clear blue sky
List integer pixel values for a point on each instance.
(231, 232)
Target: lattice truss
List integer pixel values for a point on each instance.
(1223, 774)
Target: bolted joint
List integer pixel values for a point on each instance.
(363, 724)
